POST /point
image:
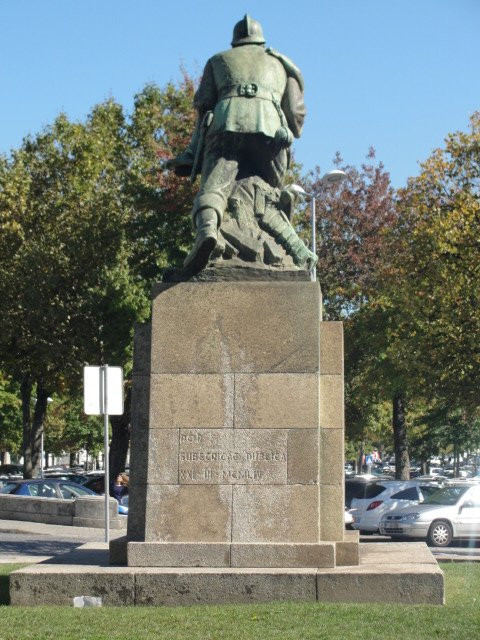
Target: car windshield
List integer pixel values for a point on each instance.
(446, 496)
(68, 491)
(8, 488)
(428, 490)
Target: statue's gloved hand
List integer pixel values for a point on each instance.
(182, 164)
(283, 138)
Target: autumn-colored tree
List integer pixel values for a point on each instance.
(425, 317)
(160, 227)
(354, 222)
(354, 218)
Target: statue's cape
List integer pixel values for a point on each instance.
(292, 70)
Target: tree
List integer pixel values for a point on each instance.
(377, 373)
(160, 228)
(355, 221)
(68, 429)
(426, 313)
(438, 270)
(443, 429)
(10, 417)
(88, 222)
(68, 295)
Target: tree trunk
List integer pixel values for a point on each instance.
(402, 462)
(361, 455)
(119, 444)
(456, 462)
(424, 467)
(26, 393)
(120, 438)
(72, 458)
(37, 428)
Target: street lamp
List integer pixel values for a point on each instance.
(332, 177)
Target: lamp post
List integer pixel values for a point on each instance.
(332, 177)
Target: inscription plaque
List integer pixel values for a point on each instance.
(232, 456)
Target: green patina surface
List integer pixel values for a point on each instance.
(250, 108)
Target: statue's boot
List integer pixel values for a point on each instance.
(206, 221)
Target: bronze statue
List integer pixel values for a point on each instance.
(250, 107)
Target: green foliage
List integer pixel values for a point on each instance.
(414, 328)
(67, 294)
(438, 270)
(160, 226)
(441, 429)
(88, 222)
(68, 429)
(10, 415)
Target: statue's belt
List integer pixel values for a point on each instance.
(248, 90)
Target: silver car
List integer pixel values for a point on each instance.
(450, 512)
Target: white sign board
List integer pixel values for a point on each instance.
(101, 399)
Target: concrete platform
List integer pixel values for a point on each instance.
(403, 573)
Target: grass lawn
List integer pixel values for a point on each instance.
(459, 619)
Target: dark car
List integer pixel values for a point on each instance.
(78, 478)
(11, 469)
(96, 483)
(46, 488)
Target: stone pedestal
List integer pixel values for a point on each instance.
(237, 430)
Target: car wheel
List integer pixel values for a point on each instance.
(440, 534)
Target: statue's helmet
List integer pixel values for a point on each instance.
(247, 31)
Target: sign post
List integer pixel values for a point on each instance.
(103, 395)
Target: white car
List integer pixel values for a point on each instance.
(348, 519)
(450, 512)
(383, 497)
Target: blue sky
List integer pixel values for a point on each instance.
(395, 74)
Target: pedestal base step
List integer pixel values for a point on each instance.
(184, 554)
(403, 573)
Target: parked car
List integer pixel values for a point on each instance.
(54, 488)
(46, 488)
(384, 497)
(78, 478)
(11, 470)
(450, 512)
(348, 519)
(362, 486)
(96, 483)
